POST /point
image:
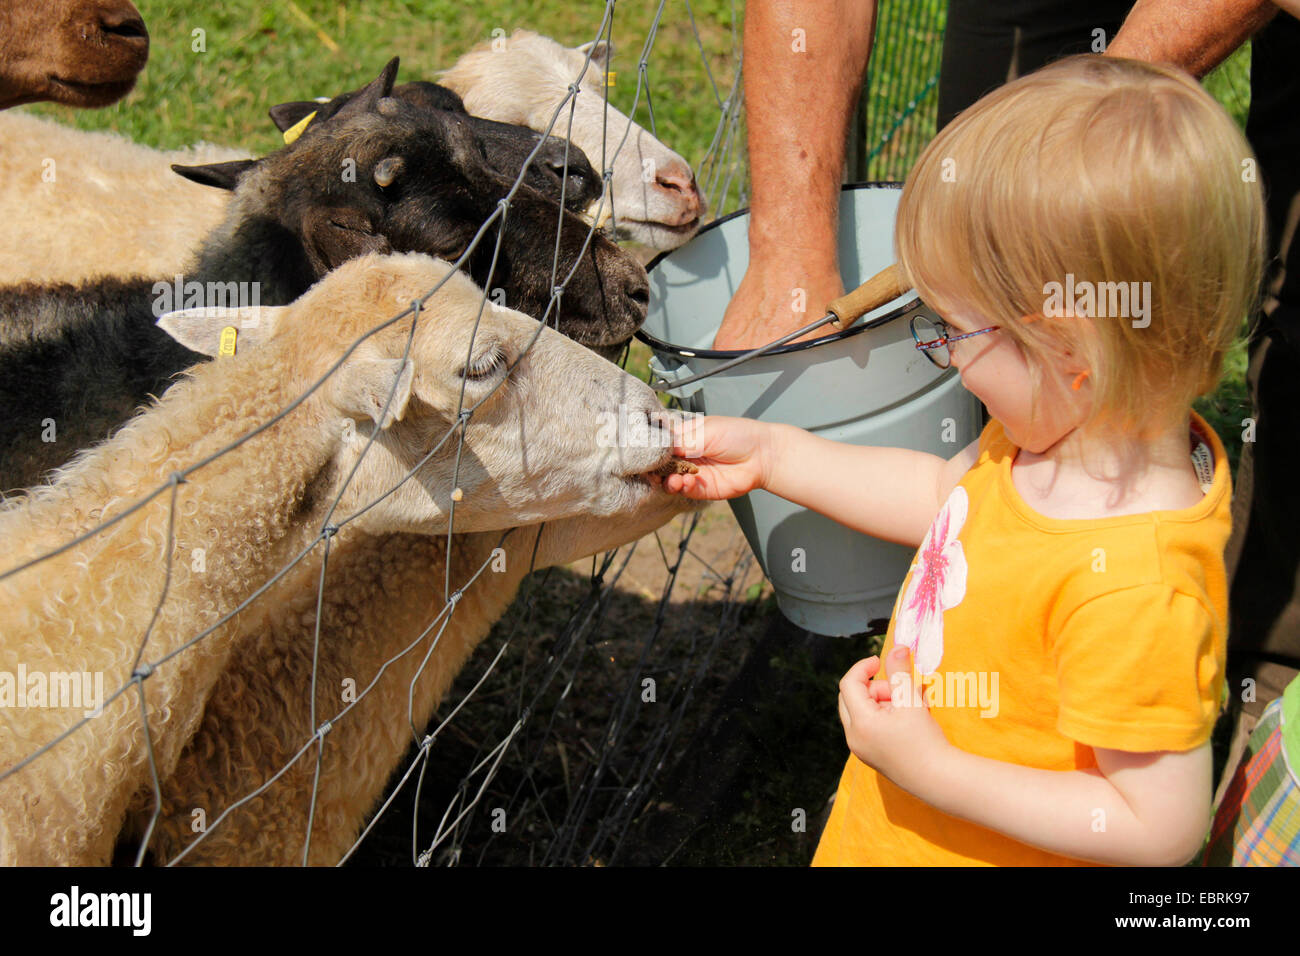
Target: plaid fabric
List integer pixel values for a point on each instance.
(1258, 823)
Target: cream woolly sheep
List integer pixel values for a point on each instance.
(381, 593)
(524, 77)
(94, 204)
(87, 609)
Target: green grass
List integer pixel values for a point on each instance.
(259, 54)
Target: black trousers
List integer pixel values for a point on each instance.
(987, 42)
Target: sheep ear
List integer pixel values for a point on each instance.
(220, 175)
(367, 98)
(362, 388)
(429, 96)
(286, 116)
(206, 330)
(601, 52)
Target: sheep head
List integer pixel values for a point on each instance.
(555, 168)
(525, 78)
(324, 196)
(84, 53)
(480, 409)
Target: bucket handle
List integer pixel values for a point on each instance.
(885, 286)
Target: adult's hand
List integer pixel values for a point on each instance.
(804, 66)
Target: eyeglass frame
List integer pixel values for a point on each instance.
(943, 341)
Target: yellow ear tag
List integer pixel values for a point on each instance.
(294, 131)
(227, 346)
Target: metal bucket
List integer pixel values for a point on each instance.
(864, 386)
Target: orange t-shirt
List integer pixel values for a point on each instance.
(1039, 639)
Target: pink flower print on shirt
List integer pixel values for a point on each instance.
(938, 583)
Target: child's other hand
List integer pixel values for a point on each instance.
(887, 723)
(732, 455)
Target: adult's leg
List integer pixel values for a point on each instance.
(986, 44)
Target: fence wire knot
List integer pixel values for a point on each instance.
(329, 531)
(142, 672)
(557, 292)
(456, 595)
(573, 89)
(176, 478)
(324, 729)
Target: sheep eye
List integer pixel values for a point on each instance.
(487, 366)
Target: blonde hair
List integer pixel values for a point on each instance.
(1105, 170)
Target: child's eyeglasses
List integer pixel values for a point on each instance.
(932, 338)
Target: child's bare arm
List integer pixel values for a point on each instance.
(1134, 809)
(889, 493)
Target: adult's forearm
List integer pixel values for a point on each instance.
(1196, 35)
(804, 66)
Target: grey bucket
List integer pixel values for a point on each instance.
(864, 386)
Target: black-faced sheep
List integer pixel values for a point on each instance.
(379, 176)
(77, 52)
(109, 604)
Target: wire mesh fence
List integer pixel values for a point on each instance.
(608, 790)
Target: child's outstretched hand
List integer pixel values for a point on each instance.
(732, 454)
(887, 723)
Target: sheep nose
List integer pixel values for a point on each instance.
(679, 179)
(124, 22)
(646, 435)
(636, 288)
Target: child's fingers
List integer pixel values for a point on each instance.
(855, 697)
(691, 486)
(898, 674)
(689, 436)
(880, 691)
(862, 671)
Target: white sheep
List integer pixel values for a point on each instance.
(524, 77)
(94, 204)
(249, 511)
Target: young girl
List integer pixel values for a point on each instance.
(1071, 559)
